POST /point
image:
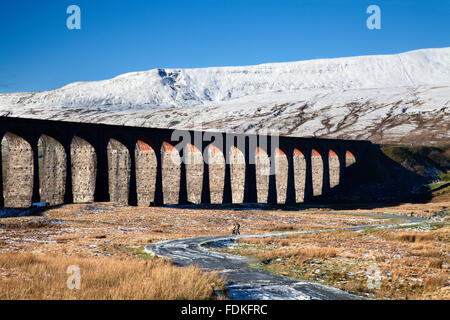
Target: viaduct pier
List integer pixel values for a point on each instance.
(68, 162)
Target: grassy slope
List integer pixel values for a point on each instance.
(429, 162)
(432, 163)
(411, 264)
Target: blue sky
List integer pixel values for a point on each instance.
(38, 52)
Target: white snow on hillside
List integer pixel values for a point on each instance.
(384, 98)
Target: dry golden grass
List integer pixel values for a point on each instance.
(421, 246)
(434, 253)
(323, 253)
(433, 283)
(415, 236)
(408, 261)
(412, 264)
(103, 236)
(410, 209)
(101, 232)
(435, 263)
(303, 253)
(33, 276)
(28, 223)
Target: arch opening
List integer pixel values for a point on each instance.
(4, 156)
(17, 175)
(52, 170)
(119, 167)
(171, 171)
(317, 172)
(334, 168)
(237, 173)
(194, 173)
(262, 165)
(216, 161)
(84, 170)
(281, 174)
(146, 165)
(299, 175)
(349, 158)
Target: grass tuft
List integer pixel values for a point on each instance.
(32, 276)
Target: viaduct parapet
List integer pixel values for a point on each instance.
(66, 162)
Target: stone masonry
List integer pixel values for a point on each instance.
(60, 162)
(170, 173)
(84, 170)
(19, 173)
(349, 159)
(237, 166)
(146, 165)
(52, 174)
(333, 163)
(194, 173)
(317, 172)
(262, 164)
(216, 174)
(281, 171)
(119, 166)
(300, 175)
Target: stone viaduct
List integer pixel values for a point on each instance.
(67, 162)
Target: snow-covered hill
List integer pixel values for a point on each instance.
(384, 98)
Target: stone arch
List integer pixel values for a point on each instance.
(146, 165)
(119, 168)
(262, 165)
(52, 170)
(194, 173)
(216, 161)
(299, 175)
(317, 171)
(237, 174)
(281, 174)
(3, 152)
(84, 170)
(349, 158)
(17, 167)
(171, 170)
(334, 168)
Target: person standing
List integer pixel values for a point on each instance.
(237, 226)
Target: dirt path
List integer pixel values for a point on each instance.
(249, 283)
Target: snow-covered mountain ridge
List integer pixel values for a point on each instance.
(385, 98)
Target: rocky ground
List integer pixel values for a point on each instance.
(109, 231)
(386, 263)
